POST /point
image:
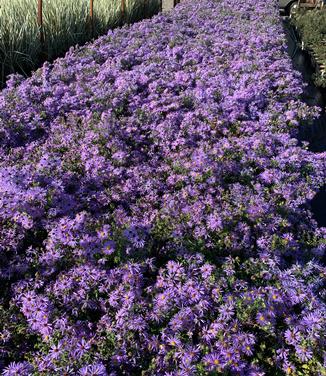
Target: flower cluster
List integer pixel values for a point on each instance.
(154, 204)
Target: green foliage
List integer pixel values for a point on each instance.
(311, 26)
(14, 331)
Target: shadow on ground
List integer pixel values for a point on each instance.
(314, 96)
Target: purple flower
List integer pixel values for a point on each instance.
(108, 248)
(226, 311)
(81, 348)
(93, 370)
(292, 336)
(17, 369)
(303, 353)
(213, 362)
(153, 203)
(56, 351)
(262, 318)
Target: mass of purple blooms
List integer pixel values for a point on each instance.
(154, 204)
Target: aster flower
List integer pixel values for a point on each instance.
(206, 270)
(292, 337)
(56, 350)
(81, 348)
(226, 311)
(93, 370)
(108, 248)
(153, 202)
(262, 318)
(289, 369)
(173, 341)
(303, 353)
(213, 362)
(17, 369)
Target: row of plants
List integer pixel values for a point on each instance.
(154, 204)
(65, 23)
(311, 26)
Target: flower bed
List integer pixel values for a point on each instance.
(154, 215)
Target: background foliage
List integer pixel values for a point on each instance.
(66, 23)
(311, 26)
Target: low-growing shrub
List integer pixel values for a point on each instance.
(154, 204)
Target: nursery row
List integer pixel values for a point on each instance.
(311, 27)
(154, 204)
(24, 44)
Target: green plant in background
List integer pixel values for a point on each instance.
(19, 41)
(311, 26)
(65, 23)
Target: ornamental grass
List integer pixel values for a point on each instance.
(65, 23)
